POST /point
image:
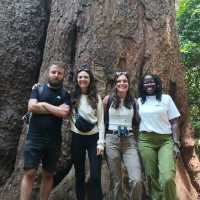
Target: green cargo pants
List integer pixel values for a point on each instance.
(156, 151)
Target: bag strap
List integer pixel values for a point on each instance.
(40, 89)
(106, 113)
(27, 116)
(136, 117)
(135, 120)
(76, 113)
(63, 92)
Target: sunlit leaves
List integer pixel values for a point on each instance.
(188, 27)
(193, 87)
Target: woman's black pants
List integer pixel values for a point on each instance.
(81, 144)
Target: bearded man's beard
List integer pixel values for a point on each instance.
(55, 83)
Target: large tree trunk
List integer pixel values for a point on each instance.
(23, 26)
(136, 35)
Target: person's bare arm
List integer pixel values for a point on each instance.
(175, 131)
(175, 137)
(45, 108)
(36, 107)
(59, 111)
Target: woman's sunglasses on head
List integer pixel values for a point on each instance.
(121, 73)
(84, 67)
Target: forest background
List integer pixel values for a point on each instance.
(188, 28)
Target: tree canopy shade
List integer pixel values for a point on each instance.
(188, 24)
(193, 88)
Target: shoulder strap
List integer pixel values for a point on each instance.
(109, 102)
(40, 90)
(136, 117)
(27, 117)
(106, 113)
(63, 92)
(134, 104)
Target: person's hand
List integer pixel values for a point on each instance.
(42, 103)
(176, 151)
(100, 151)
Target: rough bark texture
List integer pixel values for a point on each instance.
(23, 27)
(136, 35)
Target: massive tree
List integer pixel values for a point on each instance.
(23, 26)
(136, 35)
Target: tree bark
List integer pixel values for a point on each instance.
(135, 35)
(23, 26)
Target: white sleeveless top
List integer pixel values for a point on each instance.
(121, 116)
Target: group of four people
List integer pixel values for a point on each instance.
(112, 123)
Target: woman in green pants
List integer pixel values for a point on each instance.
(158, 140)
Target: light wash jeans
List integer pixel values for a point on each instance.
(124, 150)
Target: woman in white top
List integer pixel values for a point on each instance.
(87, 126)
(158, 139)
(121, 147)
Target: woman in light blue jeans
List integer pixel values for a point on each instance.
(120, 115)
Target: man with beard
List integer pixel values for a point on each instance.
(43, 142)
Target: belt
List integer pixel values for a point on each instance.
(116, 132)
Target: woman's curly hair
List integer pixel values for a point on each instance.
(91, 92)
(158, 90)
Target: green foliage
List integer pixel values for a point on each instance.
(188, 27)
(190, 53)
(193, 88)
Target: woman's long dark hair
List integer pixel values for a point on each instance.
(91, 92)
(128, 101)
(158, 90)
